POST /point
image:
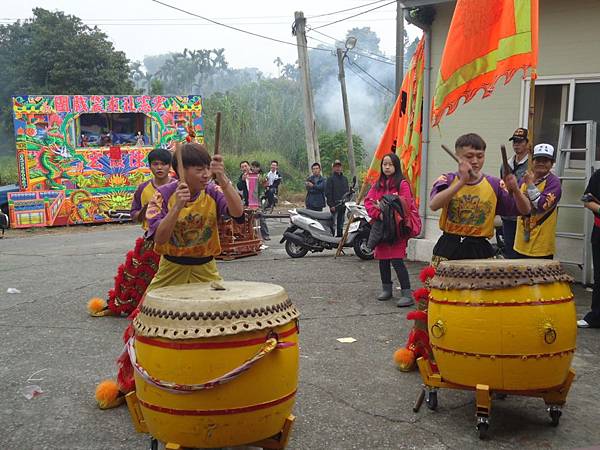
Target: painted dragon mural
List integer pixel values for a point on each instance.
(98, 169)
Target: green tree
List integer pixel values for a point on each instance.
(55, 53)
(335, 146)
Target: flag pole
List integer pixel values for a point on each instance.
(530, 133)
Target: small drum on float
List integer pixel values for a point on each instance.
(216, 364)
(501, 325)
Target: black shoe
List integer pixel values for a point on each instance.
(266, 238)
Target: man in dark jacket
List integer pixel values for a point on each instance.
(242, 187)
(335, 188)
(315, 189)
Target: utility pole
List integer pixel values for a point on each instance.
(399, 45)
(310, 125)
(342, 77)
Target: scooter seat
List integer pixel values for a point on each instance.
(315, 214)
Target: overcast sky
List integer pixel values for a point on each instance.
(143, 27)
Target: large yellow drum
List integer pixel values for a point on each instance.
(215, 368)
(507, 324)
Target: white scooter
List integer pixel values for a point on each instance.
(314, 230)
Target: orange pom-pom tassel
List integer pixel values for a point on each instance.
(96, 305)
(405, 359)
(107, 394)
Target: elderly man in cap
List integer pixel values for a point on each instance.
(535, 236)
(518, 167)
(335, 188)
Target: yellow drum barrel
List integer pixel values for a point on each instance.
(508, 324)
(187, 336)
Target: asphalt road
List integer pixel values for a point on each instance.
(350, 396)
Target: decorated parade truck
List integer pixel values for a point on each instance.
(81, 157)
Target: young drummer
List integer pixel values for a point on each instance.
(182, 220)
(535, 236)
(470, 200)
(134, 275)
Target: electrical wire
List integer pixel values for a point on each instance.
(350, 17)
(232, 27)
(371, 76)
(383, 59)
(344, 10)
(367, 82)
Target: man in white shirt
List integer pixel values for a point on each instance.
(273, 181)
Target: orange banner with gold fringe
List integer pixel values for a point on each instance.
(487, 40)
(402, 135)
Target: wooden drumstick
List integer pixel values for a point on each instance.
(179, 158)
(218, 134)
(505, 166)
(455, 158)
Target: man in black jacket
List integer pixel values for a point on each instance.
(242, 187)
(335, 188)
(315, 189)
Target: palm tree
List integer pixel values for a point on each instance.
(278, 62)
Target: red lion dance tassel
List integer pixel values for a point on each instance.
(418, 340)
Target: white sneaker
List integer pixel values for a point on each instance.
(581, 323)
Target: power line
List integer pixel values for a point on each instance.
(367, 82)
(344, 10)
(232, 27)
(371, 77)
(350, 17)
(384, 60)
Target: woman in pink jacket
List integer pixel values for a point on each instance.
(391, 181)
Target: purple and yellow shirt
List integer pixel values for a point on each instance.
(472, 210)
(142, 196)
(196, 233)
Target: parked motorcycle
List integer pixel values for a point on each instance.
(314, 231)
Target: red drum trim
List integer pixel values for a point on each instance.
(216, 412)
(183, 345)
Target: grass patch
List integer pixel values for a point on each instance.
(8, 169)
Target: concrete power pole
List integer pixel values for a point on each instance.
(310, 124)
(399, 45)
(342, 77)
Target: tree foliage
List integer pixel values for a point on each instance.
(55, 53)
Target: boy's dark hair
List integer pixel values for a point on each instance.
(275, 161)
(159, 154)
(315, 164)
(244, 161)
(192, 155)
(396, 179)
(255, 164)
(470, 140)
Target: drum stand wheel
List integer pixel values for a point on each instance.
(555, 413)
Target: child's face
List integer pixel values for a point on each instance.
(159, 169)
(475, 157)
(255, 169)
(387, 166)
(541, 166)
(197, 177)
(274, 167)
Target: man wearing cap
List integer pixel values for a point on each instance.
(335, 188)
(518, 166)
(535, 236)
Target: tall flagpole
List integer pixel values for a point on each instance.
(530, 133)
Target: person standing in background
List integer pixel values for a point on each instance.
(335, 188)
(315, 189)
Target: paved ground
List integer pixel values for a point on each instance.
(350, 395)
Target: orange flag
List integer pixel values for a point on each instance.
(402, 135)
(487, 40)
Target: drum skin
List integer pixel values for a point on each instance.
(518, 338)
(249, 408)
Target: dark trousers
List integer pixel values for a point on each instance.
(509, 230)
(270, 195)
(386, 272)
(339, 220)
(314, 208)
(593, 317)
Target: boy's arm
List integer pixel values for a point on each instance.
(167, 223)
(443, 189)
(136, 204)
(234, 203)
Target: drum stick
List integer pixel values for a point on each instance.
(505, 165)
(455, 158)
(218, 134)
(179, 158)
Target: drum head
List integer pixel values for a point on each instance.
(203, 310)
(497, 273)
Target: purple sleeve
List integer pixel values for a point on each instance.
(136, 204)
(550, 197)
(505, 205)
(441, 184)
(215, 191)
